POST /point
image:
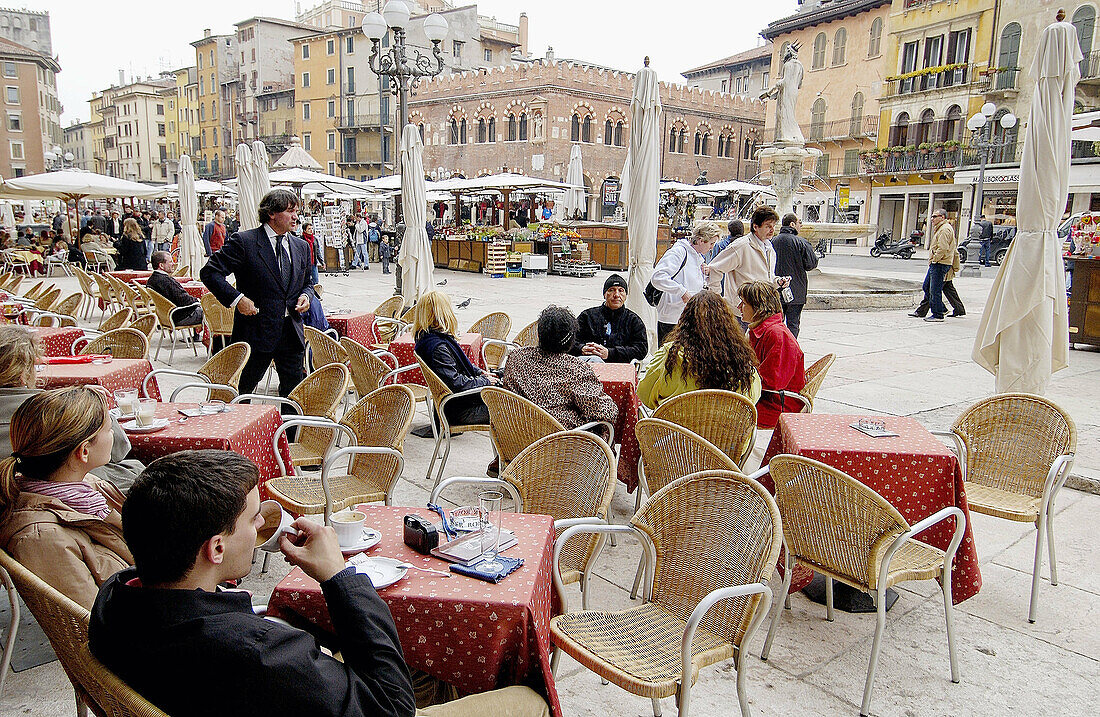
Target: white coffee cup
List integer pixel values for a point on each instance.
(146, 412)
(349, 526)
(276, 522)
(127, 401)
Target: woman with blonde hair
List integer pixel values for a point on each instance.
(19, 352)
(680, 275)
(56, 518)
(705, 350)
(434, 329)
(131, 247)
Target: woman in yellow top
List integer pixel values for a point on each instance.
(706, 350)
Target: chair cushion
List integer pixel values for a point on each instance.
(1001, 503)
(637, 649)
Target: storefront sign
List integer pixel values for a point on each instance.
(842, 197)
(610, 192)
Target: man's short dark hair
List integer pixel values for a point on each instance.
(557, 328)
(158, 258)
(178, 503)
(761, 215)
(736, 228)
(789, 219)
(275, 201)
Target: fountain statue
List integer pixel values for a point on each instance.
(787, 154)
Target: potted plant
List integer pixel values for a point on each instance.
(937, 147)
(924, 147)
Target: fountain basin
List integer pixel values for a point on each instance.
(835, 290)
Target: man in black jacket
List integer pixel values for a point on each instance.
(794, 256)
(162, 282)
(272, 269)
(191, 521)
(611, 332)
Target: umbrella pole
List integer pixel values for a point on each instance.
(507, 194)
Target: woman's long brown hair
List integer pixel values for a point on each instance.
(711, 345)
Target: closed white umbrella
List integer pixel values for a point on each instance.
(1024, 334)
(192, 252)
(574, 197)
(640, 181)
(247, 202)
(259, 169)
(416, 250)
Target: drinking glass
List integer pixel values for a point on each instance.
(146, 410)
(127, 401)
(489, 502)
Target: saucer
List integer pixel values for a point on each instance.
(131, 426)
(369, 539)
(382, 572)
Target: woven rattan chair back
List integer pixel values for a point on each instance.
(381, 419)
(566, 475)
(1012, 439)
(436, 387)
(162, 307)
(711, 529)
(131, 297)
(815, 376)
(69, 305)
(146, 324)
(13, 283)
(407, 316)
(528, 335)
(670, 451)
(323, 348)
(117, 320)
(493, 326)
(125, 343)
(225, 367)
(48, 298)
(319, 394)
(832, 521)
(106, 291)
(66, 626)
(5, 278)
(725, 418)
(515, 423)
(183, 270)
(35, 291)
(87, 284)
(366, 369)
(390, 308)
(217, 317)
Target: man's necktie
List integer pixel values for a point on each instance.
(283, 259)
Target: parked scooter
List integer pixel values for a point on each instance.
(903, 249)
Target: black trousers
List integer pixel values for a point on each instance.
(949, 293)
(288, 357)
(663, 330)
(792, 313)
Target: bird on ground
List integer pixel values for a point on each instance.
(464, 304)
(441, 283)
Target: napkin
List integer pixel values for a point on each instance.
(508, 566)
(89, 358)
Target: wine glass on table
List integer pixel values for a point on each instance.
(489, 502)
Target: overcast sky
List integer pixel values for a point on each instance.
(94, 40)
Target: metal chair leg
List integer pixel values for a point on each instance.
(435, 454)
(1037, 567)
(876, 646)
(1050, 544)
(775, 617)
(637, 579)
(949, 619)
(656, 706)
(829, 599)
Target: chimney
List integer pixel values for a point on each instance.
(523, 33)
(121, 77)
(206, 32)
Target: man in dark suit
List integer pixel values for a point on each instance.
(114, 225)
(162, 282)
(272, 269)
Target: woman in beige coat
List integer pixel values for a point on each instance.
(56, 518)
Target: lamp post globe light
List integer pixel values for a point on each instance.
(980, 125)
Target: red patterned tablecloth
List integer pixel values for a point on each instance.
(402, 347)
(357, 326)
(246, 429)
(114, 376)
(620, 382)
(128, 275)
(57, 340)
(474, 635)
(915, 471)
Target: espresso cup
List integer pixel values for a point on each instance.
(276, 522)
(348, 525)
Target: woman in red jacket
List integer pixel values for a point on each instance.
(781, 366)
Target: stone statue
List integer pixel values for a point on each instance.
(538, 126)
(785, 92)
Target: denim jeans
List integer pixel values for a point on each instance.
(361, 258)
(983, 252)
(933, 288)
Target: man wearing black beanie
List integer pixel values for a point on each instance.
(611, 332)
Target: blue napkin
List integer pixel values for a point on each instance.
(508, 566)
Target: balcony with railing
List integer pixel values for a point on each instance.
(364, 120)
(1090, 68)
(858, 127)
(1001, 81)
(944, 77)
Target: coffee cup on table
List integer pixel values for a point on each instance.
(146, 412)
(276, 522)
(348, 525)
(127, 401)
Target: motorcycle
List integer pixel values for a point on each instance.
(901, 249)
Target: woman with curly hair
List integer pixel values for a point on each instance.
(705, 350)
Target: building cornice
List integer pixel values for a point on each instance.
(836, 10)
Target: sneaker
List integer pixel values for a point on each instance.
(934, 318)
(916, 315)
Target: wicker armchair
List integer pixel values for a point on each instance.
(839, 527)
(13, 282)
(317, 395)
(568, 476)
(515, 423)
(35, 291)
(182, 270)
(117, 320)
(121, 344)
(377, 426)
(132, 297)
(441, 396)
(66, 625)
(706, 591)
(322, 349)
(48, 298)
(217, 318)
(219, 376)
(88, 289)
(369, 370)
(1017, 450)
(390, 308)
(108, 298)
(494, 330)
(528, 335)
(69, 306)
(815, 376)
(146, 324)
(726, 419)
(166, 313)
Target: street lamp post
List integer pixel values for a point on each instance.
(980, 125)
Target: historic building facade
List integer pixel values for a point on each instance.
(31, 109)
(216, 63)
(526, 117)
(746, 73)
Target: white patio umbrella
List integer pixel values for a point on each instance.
(259, 169)
(640, 180)
(247, 202)
(296, 157)
(416, 250)
(1023, 336)
(202, 186)
(305, 180)
(191, 250)
(574, 196)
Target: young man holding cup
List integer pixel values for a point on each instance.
(164, 627)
